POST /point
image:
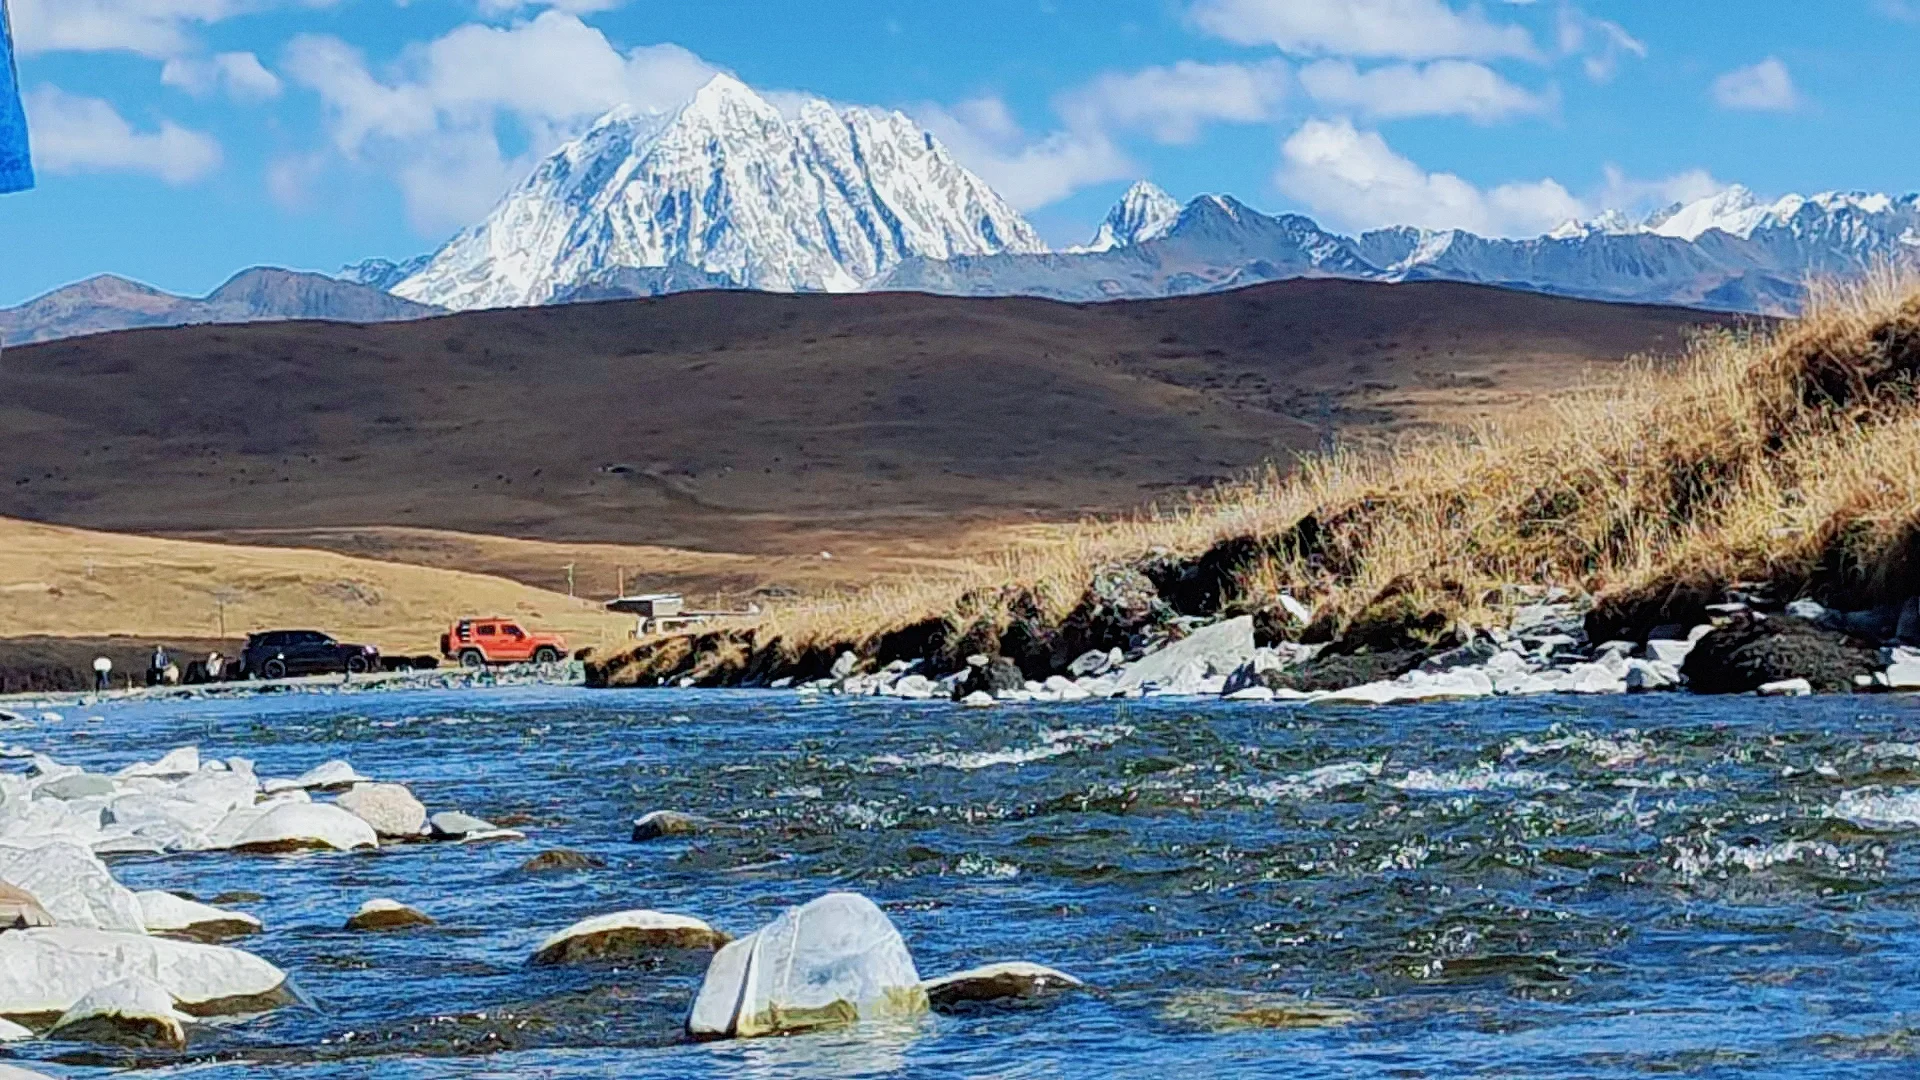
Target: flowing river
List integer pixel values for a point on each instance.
(1612, 887)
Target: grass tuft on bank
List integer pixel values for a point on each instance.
(1783, 453)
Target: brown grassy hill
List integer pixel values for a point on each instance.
(759, 424)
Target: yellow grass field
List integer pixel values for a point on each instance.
(65, 582)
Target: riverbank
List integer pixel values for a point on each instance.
(1773, 464)
(570, 673)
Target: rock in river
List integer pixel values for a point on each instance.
(1217, 650)
(663, 823)
(996, 982)
(298, 826)
(837, 960)
(384, 914)
(135, 1012)
(625, 935)
(561, 860)
(390, 808)
(454, 825)
(165, 913)
(43, 973)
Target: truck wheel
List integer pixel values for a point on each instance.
(356, 665)
(473, 660)
(546, 654)
(274, 669)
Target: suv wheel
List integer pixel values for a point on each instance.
(473, 660)
(275, 668)
(546, 654)
(356, 665)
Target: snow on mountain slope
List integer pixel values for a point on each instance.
(1144, 213)
(727, 189)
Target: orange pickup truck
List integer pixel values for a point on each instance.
(479, 642)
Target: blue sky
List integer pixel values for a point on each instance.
(181, 140)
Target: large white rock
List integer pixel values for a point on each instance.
(836, 960)
(390, 808)
(1667, 651)
(1787, 688)
(46, 972)
(1214, 651)
(182, 762)
(134, 1011)
(73, 885)
(627, 933)
(305, 827)
(12, 1032)
(1904, 675)
(165, 913)
(323, 777)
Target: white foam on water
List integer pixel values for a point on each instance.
(980, 866)
(1479, 778)
(1315, 782)
(1052, 744)
(1880, 809)
(1696, 860)
(1612, 751)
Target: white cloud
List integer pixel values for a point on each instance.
(240, 74)
(1172, 103)
(1764, 87)
(1621, 192)
(81, 134)
(158, 28)
(1404, 29)
(1600, 44)
(570, 7)
(434, 121)
(1028, 172)
(1353, 179)
(1441, 88)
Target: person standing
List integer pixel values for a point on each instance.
(102, 673)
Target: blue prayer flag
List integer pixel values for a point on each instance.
(16, 163)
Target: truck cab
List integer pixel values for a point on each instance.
(479, 643)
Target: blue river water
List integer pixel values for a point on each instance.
(1613, 887)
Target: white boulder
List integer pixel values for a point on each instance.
(1787, 688)
(298, 826)
(328, 776)
(165, 913)
(46, 972)
(996, 982)
(390, 808)
(837, 960)
(384, 914)
(1213, 651)
(182, 762)
(73, 885)
(134, 1011)
(626, 934)
(12, 1032)
(1670, 652)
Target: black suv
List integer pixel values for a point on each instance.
(279, 654)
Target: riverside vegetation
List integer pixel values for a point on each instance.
(1764, 465)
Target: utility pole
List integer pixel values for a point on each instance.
(622, 587)
(569, 581)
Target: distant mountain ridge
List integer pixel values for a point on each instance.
(107, 302)
(1729, 252)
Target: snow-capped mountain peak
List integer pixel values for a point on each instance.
(1145, 212)
(726, 189)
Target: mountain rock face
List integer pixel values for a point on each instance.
(263, 294)
(383, 274)
(1144, 213)
(728, 189)
(1729, 252)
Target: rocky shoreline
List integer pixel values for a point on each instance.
(1744, 643)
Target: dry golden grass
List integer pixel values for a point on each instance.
(1788, 453)
(64, 582)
